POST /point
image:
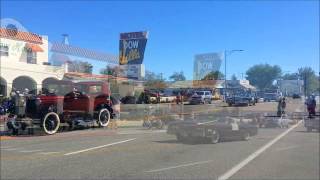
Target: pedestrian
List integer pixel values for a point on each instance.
(311, 106)
(283, 106)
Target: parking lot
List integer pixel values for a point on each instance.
(138, 153)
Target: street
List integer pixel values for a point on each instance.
(137, 153)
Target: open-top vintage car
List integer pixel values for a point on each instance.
(64, 103)
(214, 130)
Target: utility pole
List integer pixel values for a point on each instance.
(225, 69)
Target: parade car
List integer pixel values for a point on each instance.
(64, 103)
(215, 130)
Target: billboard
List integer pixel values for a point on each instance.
(206, 63)
(131, 47)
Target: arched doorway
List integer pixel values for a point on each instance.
(3, 87)
(47, 82)
(24, 82)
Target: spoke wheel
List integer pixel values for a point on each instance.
(246, 136)
(51, 123)
(215, 138)
(104, 117)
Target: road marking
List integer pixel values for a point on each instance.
(5, 147)
(207, 122)
(98, 147)
(178, 166)
(29, 151)
(137, 132)
(243, 163)
(48, 153)
(10, 149)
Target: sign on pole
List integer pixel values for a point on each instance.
(131, 47)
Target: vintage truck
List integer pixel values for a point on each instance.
(64, 103)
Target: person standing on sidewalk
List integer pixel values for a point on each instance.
(311, 106)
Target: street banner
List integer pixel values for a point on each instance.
(131, 47)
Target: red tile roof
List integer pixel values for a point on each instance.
(22, 36)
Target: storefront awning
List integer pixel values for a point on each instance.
(34, 47)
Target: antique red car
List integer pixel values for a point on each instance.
(65, 103)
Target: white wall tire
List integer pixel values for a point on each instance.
(246, 136)
(215, 138)
(51, 123)
(104, 117)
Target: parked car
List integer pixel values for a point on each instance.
(215, 130)
(201, 97)
(128, 100)
(268, 97)
(65, 103)
(240, 100)
(296, 96)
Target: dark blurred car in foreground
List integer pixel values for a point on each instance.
(213, 130)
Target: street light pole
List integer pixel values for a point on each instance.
(225, 69)
(225, 75)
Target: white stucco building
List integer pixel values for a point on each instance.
(24, 61)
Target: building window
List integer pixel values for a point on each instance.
(31, 57)
(4, 50)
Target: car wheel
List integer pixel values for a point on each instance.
(51, 123)
(215, 138)
(104, 117)
(180, 138)
(246, 136)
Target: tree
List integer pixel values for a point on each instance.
(290, 76)
(111, 70)
(234, 77)
(80, 66)
(177, 76)
(214, 75)
(310, 79)
(263, 75)
(154, 81)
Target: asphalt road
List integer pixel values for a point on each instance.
(136, 153)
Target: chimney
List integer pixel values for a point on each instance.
(65, 39)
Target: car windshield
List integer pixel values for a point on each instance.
(59, 89)
(170, 90)
(200, 93)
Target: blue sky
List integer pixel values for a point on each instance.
(279, 33)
